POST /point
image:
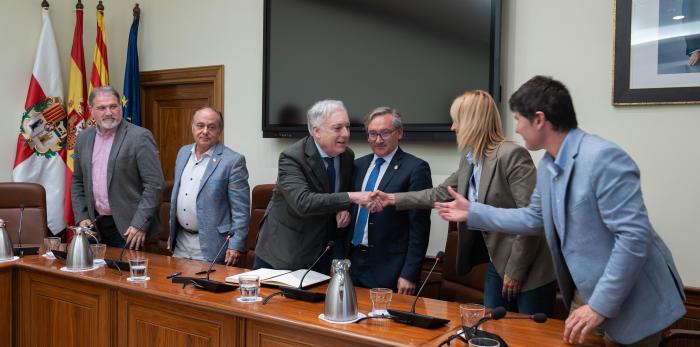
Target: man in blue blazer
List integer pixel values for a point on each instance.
(211, 196)
(613, 269)
(387, 248)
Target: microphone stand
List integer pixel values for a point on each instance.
(206, 283)
(300, 293)
(119, 264)
(23, 250)
(416, 319)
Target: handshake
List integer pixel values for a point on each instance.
(456, 210)
(374, 201)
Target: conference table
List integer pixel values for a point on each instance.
(41, 305)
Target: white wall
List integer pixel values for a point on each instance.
(539, 37)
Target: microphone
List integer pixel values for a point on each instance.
(118, 264)
(416, 319)
(23, 250)
(496, 314)
(300, 293)
(206, 283)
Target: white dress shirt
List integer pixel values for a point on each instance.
(189, 188)
(382, 171)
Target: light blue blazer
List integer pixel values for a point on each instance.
(609, 251)
(223, 202)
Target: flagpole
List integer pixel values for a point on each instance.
(137, 11)
(100, 7)
(44, 4)
(79, 5)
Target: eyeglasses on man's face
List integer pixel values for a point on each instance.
(384, 134)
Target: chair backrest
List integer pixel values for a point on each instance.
(164, 214)
(261, 196)
(680, 337)
(32, 196)
(454, 287)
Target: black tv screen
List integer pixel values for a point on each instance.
(413, 55)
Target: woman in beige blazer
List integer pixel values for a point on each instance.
(499, 173)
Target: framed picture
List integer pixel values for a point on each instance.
(657, 52)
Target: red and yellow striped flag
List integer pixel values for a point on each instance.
(100, 68)
(78, 112)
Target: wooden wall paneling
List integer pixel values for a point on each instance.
(147, 321)
(58, 311)
(168, 98)
(691, 320)
(262, 334)
(6, 306)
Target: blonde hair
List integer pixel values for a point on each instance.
(478, 123)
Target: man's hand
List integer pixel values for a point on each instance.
(694, 57)
(342, 219)
(405, 286)
(456, 210)
(580, 322)
(85, 223)
(380, 200)
(232, 257)
(135, 238)
(359, 198)
(511, 288)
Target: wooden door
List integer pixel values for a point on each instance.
(168, 98)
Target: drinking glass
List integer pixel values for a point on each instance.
(50, 244)
(98, 253)
(483, 342)
(380, 297)
(249, 285)
(139, 269)
(471, 314)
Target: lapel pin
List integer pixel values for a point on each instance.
(396, 167)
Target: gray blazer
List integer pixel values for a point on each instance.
(300, 218)
(134, 179)
(507, 180)
(609, 251)
(223, 201)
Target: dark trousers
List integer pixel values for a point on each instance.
(361, 270)
(540, 299)
(109, 233)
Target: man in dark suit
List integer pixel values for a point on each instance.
(117, 178)
(310, 202)
(387, 248)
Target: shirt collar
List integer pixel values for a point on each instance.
(108, 133)
(208, 153)
(388, 157)
(556, 165)
(320, 151)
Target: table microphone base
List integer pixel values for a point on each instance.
(418, 320)
(480, 333)
(118, 264)
(25, 250)
(301, 294)
(205, 284)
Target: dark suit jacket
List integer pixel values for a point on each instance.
(507, 180)
(134, 179)
(397, 240)
(300, 218)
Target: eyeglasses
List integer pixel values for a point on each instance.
(384, 134)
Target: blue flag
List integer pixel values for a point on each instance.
(131, 101)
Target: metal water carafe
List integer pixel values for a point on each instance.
(5, 243)
(79, 255)
(341, 303)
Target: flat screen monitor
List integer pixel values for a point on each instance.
(413, 55)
